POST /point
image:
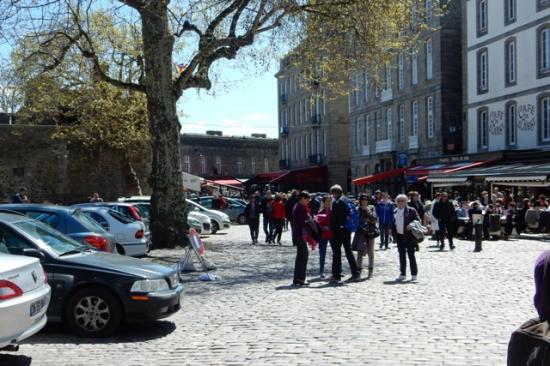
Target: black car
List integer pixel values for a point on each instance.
(92, 292)
(68, 220)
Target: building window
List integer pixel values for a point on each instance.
(377, 126)
(266, 165)
(240, 165)
(482, 18)
(388, 81)
(511, 124)
(430, 116)
(414, 129)
(414, 67)
(203, 165)
(389, 126)
(543, 4)
(253, 166)
(483, 129)
(511, 61)
(509, 11)
(429, 11)
(218, 166)
(325, 150)
(366, 86)
(482, 71)
(317, 142)
(543, 50)
(401, 75)
(187, 164)
(401, 123)
(429, 59)
(544, 118)
(357, 135)
(366, 133)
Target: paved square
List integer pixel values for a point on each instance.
(461, 312)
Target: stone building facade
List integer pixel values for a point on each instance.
(313, 126)
(211, 156)
(507, 78)
(414, 111)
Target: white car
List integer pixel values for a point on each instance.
(197, 220)
(24, 298)
(129, 234)
(220, 220)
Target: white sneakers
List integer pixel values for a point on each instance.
(403, 278)
(413, 279)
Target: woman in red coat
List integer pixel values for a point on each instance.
(323, 218)
(278, 216)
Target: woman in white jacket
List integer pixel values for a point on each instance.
(434, 224)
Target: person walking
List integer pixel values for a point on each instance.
(384, 212)
(444, 212)
(266, 208)
(278, 217)
(252, 214)
(362, 244)
(403, 217)
(341, 236)
(291, 201)
(300, 229)
(434, 224)
(415, 203)
(323, 219)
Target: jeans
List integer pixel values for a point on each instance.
(342, 238)
(278, 229)
(268, 229)
(300, 265)
(406, 248)
(444, 228)
(322, 255)
(254, 226)
(384, 235)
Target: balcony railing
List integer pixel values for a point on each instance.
(366, 150)
(386, 95)
(316, 120)
(283, 97)
(284, 164)
(283, 131)
(413, 142)
(316, 159)
(384, 146)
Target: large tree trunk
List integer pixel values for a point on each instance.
(168, 218)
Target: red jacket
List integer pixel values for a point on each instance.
(278, 212)
(323, 219)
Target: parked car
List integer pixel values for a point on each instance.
(200, 222)
(130, 237)
(128, 209)
(70, 221)
(220, 220)
(24, 298)
(92, 292)
(234, 209)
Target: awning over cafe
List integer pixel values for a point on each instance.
(313, 175)
(378, 177)
(228, 183)
(264, 178)
(442, 168)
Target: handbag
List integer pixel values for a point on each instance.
(530, 344)
(370, 230)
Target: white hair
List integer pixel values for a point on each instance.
(400, 197)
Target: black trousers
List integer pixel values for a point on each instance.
(278, 229)
(268, 228)
(300, 265)
(342, 238)
(254, 226)
(406, 248)
(445, 228)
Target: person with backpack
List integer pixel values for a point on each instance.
(384, 212)
(267, 210)
(363, 240)
(343, 212)
(401, 228)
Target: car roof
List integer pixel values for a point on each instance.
(134, 198)
(41, 207)
(11, 218)
(95, 208)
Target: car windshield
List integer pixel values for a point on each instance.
(51, 238)
(120, 217)
(88, 223)
(144, 208)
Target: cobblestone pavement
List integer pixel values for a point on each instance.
(461, 312)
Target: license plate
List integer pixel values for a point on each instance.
(37, 306)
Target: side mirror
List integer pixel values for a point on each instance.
(35, 253)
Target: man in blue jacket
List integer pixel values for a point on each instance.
(384, 211)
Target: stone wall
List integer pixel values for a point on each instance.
(57, 173)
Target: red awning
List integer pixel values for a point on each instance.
(264, 178)
(313, 175)
(442, 168)
(378, 177)
(228, 182)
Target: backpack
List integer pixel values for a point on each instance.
(352, 218)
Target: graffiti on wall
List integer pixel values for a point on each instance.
(526, 117)
(496, 123)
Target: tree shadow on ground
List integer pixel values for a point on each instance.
(128, 333)
(14, 360)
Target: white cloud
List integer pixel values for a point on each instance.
(256, 117)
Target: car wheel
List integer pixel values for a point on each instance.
(120, 249)
(242, 219)
(215, 227)
(93, 312)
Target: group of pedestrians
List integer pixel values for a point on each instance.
(274, 211)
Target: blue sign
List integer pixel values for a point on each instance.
(402, 162)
